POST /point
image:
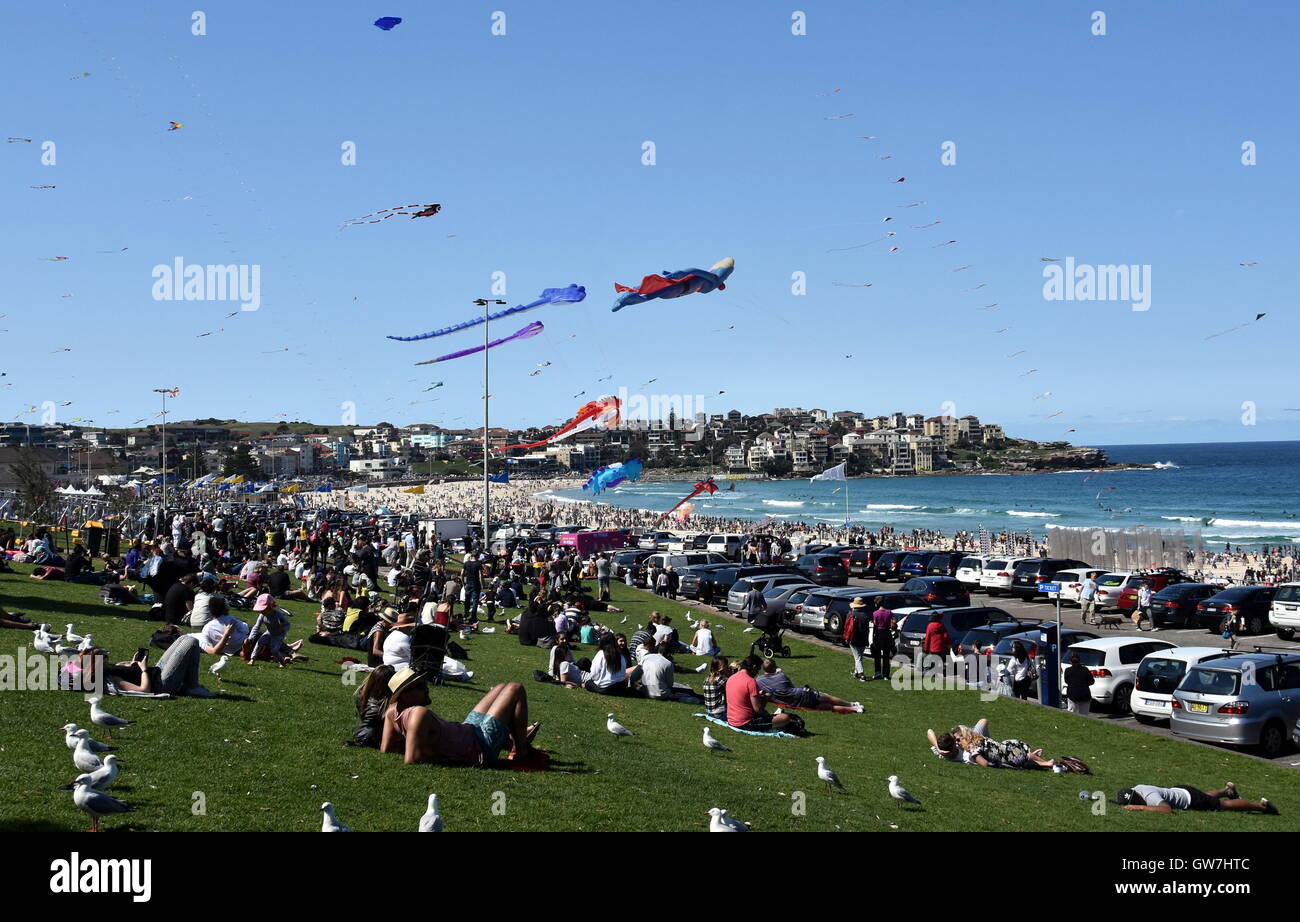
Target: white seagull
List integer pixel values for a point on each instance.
(101, 779)
(722, 821)
(825, 774)
(70, 735)
(702, 667)
(86, 643)
(82, 757)
(43, 643)
(94, 802)
(94, 745)
(613, 726)
(432, 819)
(330, 822)
(711, 743)
(219, 665)
(101, 718)
(71, 636)
(900, 793)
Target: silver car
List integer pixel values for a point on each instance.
(1246, 699)
(739, 589)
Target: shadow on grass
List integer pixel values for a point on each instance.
(25, 603)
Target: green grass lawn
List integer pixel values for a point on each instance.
(267, 752)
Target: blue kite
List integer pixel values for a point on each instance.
(569, 295)
(610, 476)
(387, 22)
(676, 284)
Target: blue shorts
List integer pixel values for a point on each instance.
(493, 736)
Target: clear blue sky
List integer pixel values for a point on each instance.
(1116, 149)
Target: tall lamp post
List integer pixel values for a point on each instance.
(166, 392)
(486, 303)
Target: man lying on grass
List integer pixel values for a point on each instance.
(1154, 799)
(413, 730)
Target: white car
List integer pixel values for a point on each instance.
(1159, 674)
(970, 568)
(1113, 662)
(1109, 587)
(1071, 582)
(996, 575)
(1284, 615)
(727, 545)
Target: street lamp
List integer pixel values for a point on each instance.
(166, 392)
(485, 303)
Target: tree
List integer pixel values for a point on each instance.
(778, 467)
(241, 461)
(34, 488)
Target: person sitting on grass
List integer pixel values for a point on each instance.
(967, 744)
(703, 644)
(267, 639)
(1152, 799)
(421, 736)
(776, 685)
(714, 687)
(372, 702)
(608, 673)
(746, 703)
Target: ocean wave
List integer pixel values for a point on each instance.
(1252, 539)
(782, 502)
(1034, 515)
(1166, 466)
(1246, 523)
(892, 506)
(1182, 518)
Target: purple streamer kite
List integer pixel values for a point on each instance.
(531, 330)
(570, 295)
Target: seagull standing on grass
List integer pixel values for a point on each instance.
(432, 819)
(43, 642)
(613, 726)
(94, 802)
(85, 644)
(219, 665)
(825, 774)
(85, 760)
(900, 793)
(101, 718)
(722, 821)
(95, 746)
(330, 822)
(71, 636)
(101, 779)
(711, 743)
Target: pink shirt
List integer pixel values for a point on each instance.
(457, 744)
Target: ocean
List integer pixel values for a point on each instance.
(1243, 493)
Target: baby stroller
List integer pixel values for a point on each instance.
(770, 645)
(428, 650)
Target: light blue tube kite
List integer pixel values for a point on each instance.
(570, 295)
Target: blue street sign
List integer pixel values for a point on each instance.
(1049, 587)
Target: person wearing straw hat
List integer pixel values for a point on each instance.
(397, 645)
(857, 634)
(421, 736)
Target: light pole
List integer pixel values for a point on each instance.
(166, 392)
(485, 303)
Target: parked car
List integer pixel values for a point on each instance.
(824, 569)
(939, 591)
(957, 621)
(889, 566)
(862, 560)
(824, 610)
(655, 540)
(1159, 674)
(740, 588)
(1109, 587)
(1175, 606)
(1155, 580)
(996, 576)
(1284, 613)
(943, 564)
(676, 561)
(915, 564)
(1030, 639)
(984, 638)
(1249, 603)
(1029, 574)
(682, 543)
(709, 584)
(1246, 699)
(969, 569)
(1072, 580)
(1113, 662)
(621, 560)
(777, 597)
(727, 545)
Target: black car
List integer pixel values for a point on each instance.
(1028, 574)
(624, 559)
(939, 591)
(889, 566)
(1249, 605)
(984, 638)
(915, 564)
(957, 621)
(714, 581)
(1175, 606)
(944, 564)
(823, 569)
(862, 561)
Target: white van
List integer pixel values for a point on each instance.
(1159, 674)
(1071, 582)
(996, 575)
(1284, 614)
(727, 545)
(970, 568)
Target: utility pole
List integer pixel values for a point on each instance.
(165, 392)
(486, 303)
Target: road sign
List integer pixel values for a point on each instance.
(1049, 587)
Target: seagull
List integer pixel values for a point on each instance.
(83, 757)
(71, 636)
(101, 779)
(95, 745)
(101, 718)
(432, 819)
(900, 793)
(722, 821)
(43, 642)
(701, 667)
(825, 774)
(711, 743)
(94, 802)
(219, 665)
(613, 726)
(86, 643)
(330, 822)
(70, 735)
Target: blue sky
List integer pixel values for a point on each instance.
(1122, 148)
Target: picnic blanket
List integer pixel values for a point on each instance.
(722, 723)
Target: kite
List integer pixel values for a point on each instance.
(1248, 265)
(651, 381)
(42, 187)
(611, 475)
(947, 243)
(913, 204)
(885, 157)
(53, 259)
(606, 378)
(684, 513)
(64, 349)
(829, 118)
(924, 226)
(571, 294)
(534, 374)
(977, 287)
(527, 332)
(1232, 329)
(901, 179)
(704, 486)
(894, 249)
(275, 351)
(387, 22)
(866, 137)
(1016, 353)
(1043, 394)
(722, 330)
(676, 284)
(1106, 490)
(1054, 415)
(543, 364)
(861, 245)
(989, 307)
(885, 220)
(432, 386)
(960, 268)
(384, 214)
(175, 126)
(604, 413)
(832, 92)
(79, 76)
(577, 395)
(853, 284)
(1029, 372)
(16, 140)
(1049, 259)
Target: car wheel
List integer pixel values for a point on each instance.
(1255, 625)
(1285, 633)
(1121, 698)
(1272, 739)
(993, 593)
(1144, 719)
(835, 625)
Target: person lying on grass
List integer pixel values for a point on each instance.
(967, 744)
(776, 685)
(1152, 799)
(421, 736)
(15, 620)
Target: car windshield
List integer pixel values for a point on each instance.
(995, 564)
(1161, 675)
(1110, 579)
(915, 622)
(965, 620)
(742, 585)
(1287, 594)
(971, 563)
(1088, 657)
(1211, 681)
(1140, 582)
(774, 592)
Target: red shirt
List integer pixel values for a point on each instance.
(936, 638)
(740, 688)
